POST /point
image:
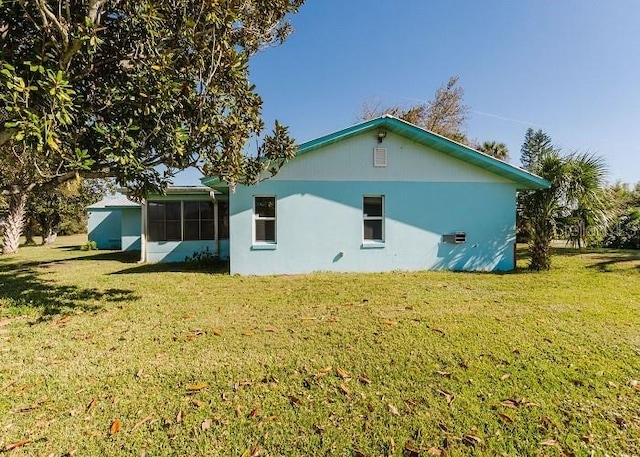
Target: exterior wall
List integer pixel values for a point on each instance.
(407, 161)
(319, 227)
(131, 229)
(319, 221)
(104, 227)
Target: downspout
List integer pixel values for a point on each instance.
(215, 222)
(143, 231)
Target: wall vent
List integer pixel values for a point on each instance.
(455, 238)
(379, 157)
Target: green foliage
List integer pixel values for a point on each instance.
(494, 149)
(203, 258)
(536, 145)
(134, 90)
(89, 246)
(576, 196)
(63, 210)
(624, 230)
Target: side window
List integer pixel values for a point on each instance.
(264, 219)
(373, 218)
(165, 221)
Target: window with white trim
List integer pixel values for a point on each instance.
(264, 219)
(373, 218)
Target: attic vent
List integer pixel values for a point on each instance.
(379, 157)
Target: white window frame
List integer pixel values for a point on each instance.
(256, 218)
(374, 218)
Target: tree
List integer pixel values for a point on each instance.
(133, 91)
(444, 115)
(624, 230)
(494, 149)
(576, 188)
(536, 145)
(47, 212)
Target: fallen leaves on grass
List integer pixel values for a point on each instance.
(16, 445)
(444, 374)
(447, 395)
(179, 416)
(141, 422)
(295, 401)
(253, 451)
(411, 450)
(344, 389)
(62, 321)
(634, 384)
(549, 442)
(506, 419)
(248, 333)
(197, 403)
(255, 412)
(435, 451)
(514, 403)
(196, 387)
(270, 329)
(393, 410)
(140, 373)
(217, 332)
(364, 380)
(505, 377)
(323, 372)
(471, 440)
(92, 403)
(388, 322)
(342, 373)
(206, 425)
(116, 426)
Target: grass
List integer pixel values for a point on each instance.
(104, 356)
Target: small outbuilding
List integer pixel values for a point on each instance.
(114, 223)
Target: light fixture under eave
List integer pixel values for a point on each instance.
(381, 135)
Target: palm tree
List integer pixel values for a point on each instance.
(495, 149)
(576, 190)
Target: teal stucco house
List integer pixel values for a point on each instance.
(377, 196)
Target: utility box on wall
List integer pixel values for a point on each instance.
(455, 238)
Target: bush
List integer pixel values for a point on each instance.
(625, 232)
(89, 246)
(204, 258)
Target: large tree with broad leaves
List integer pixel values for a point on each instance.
(134, 91)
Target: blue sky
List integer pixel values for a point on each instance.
(570, 67)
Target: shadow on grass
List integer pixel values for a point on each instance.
(218, 268)
(622, 260)
(23, 287)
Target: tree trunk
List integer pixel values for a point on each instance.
(13, 224)
(539, 246)
(29, 232)
(49, 236)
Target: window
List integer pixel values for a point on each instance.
(264, 218)
(181, 220)
(198, 220)
(165, 221)
(373, 218)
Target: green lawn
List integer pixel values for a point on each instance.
(104, 356)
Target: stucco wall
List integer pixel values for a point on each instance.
(427, 195)
(131, 229)
(319, 227)
(104, 227)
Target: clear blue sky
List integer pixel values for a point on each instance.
(569, 67)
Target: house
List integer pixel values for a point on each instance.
(114, 223)
(378, 196)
